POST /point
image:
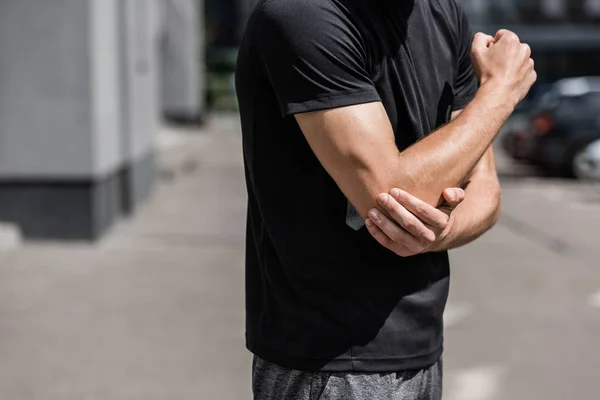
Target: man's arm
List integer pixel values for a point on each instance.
(356, 144)
(480, 210)
(458, 222)
(425, 229)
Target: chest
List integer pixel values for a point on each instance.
(413, 62)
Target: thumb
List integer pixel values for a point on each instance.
(454, 196)
(481, 42)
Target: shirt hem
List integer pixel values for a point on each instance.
(328, 102)
(346, 364)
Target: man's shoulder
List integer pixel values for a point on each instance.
(450, 6)
(454, 10)
(293, 10)
(454, 17)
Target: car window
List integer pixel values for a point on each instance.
(547, 101)
(578, 106)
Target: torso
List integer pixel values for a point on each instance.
(319, 294)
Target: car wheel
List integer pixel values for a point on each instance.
(585, 163)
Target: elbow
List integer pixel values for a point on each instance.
(497, 206)
(495, 217)
(374, 180)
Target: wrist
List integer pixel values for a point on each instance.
(500, 94)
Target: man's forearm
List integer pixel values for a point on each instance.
(356, 144)
(446, 157)
(477, 214)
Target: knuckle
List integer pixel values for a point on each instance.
(385, 227)
(442, 222)
(394, 238)
(412, 250)
(395, 211)
(409, 225)
(511, 36)
(507, 34)
(429, 237)
(390, 204)
(384, 240)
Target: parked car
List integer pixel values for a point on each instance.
(586, 164)
(513, 136)
(564, 127)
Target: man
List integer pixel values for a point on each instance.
(346, 109)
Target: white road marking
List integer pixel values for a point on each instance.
(455, 313)
(594, 300)
(480, 383)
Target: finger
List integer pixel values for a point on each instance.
(526, 50)
(404, 218)
(423, 211)
(481, 41)
(506, 35)
(407, 225)
(385, 241)
(454, 196)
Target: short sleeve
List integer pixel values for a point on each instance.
(466, 82)
(312, 55)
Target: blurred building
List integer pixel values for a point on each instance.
(564, 34)
(182, 49)
(80, 100)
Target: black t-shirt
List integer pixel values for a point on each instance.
(321, 295)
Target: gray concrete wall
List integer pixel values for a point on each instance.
(105, 56)
(140, 33)
(139, 70)
(45, 95)
(182, 63)
(78, 113)
(59, 89)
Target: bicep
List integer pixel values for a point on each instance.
(312, 57)
(356, 146)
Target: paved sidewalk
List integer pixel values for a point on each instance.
(156, 310)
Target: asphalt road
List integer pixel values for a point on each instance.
(525, 317)
(155, 311)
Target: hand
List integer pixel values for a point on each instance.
(504, 62)
(417, 231)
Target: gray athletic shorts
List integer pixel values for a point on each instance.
(272, 382)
